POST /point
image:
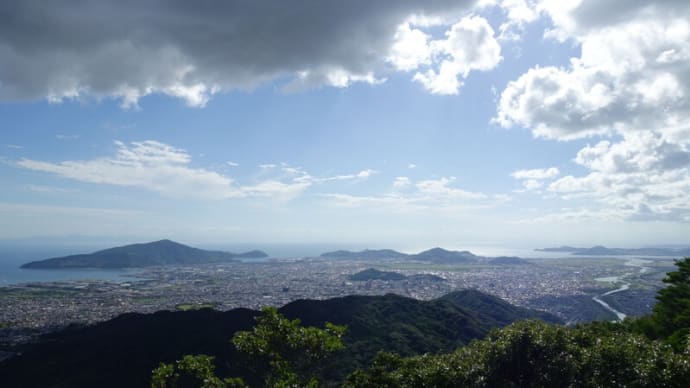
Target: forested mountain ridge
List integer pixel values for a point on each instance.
(123, 351)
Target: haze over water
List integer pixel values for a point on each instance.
(12, 259)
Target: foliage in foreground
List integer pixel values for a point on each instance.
(535, 354)
(284, 351)
(191, 371)
(281, 350)
(670, 319)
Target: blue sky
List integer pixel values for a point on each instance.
(404, 125)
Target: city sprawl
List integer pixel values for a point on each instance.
(568, 288)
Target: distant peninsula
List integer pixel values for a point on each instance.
(434, 255)
(604, 251)
(163, 252)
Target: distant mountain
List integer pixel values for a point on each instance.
(435, 255)
(508, 260)
(440, 255)
(163, 252)
(374, 274)
(367, 254)
(604, 251)
(123, 351)
(563, 248)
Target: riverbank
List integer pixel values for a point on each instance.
(636, 262)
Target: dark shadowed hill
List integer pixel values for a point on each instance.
(374, 274)
(494, 307)
(163, 252)
(123, 351)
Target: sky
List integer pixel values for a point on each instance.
(402, 124)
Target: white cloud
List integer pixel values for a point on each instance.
(433, 195)
(539, 173)
(631, 85)
(167, 170)
(411, 166)
(441, 189)
(532, 184)
(232, 164)
(411, 48)
(641, 175)
(149, 165)
(329, 76)
(276, 189)
(632, 75)
(15, 146)
(363, 174)
(469, 45)
(401, 182)
(637, 152)
(366, 173)
(518, 14)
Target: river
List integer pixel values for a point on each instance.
(638, 263)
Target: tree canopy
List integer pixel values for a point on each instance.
(281, 350)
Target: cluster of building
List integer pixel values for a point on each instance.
(550, 285)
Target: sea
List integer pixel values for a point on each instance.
(12, 258)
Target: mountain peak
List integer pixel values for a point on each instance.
(164, 242)
(443, 255)
(161, 252)
(436, 250)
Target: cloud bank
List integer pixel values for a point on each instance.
(191, 50)
(439, 196)
(161, 168)
(629, 88)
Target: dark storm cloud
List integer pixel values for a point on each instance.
(59, 49)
